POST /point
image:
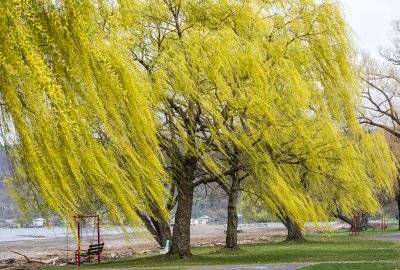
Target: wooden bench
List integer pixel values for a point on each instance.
(93, 250)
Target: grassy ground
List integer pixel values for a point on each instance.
(318, 248)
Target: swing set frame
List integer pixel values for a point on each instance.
(78, 220)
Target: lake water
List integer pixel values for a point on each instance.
(23, 234)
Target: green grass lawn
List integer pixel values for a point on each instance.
(318, 248)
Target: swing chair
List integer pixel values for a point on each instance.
(95, 246)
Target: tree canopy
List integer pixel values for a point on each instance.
(75, 111)
(265, 91)
(260, 90)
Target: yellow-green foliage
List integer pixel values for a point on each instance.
(275, 80)
(272, 79)
(76, 110)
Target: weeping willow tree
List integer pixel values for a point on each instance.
(75, 114)
(263, 92)
(304, 160)
(332, 188)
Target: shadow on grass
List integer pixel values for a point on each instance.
(227, 251)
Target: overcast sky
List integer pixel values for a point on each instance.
(372, 22)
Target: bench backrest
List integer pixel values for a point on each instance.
(95, 249)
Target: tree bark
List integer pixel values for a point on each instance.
(181, 233)
(165, 232)
(295, 231)
(342, 217)
(398, 207)
(364, 222)
(158, 227)
(231, 229)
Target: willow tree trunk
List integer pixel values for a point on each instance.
(398, 207)
(181, 233)
(231, 230)
(295, 231)
(165, 232)
(364, 222)
(157, 226)
(344, 218)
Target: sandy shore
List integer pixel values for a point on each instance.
(38, 243)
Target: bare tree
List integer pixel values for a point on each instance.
(381, 93)
(382, 89)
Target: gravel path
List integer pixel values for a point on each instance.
(274, 266)
(392, 237)
(280, 266)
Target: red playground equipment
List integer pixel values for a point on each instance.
(356, 226)
(94, 249)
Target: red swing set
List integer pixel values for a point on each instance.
(94, 249)
(356, 226)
